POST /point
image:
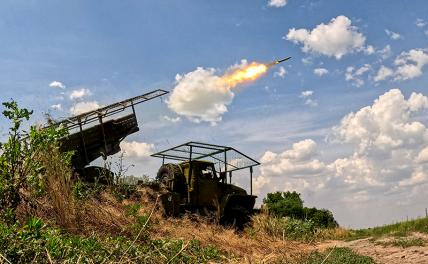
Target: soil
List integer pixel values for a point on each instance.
(384, 254)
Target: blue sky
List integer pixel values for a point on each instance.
(104, 52)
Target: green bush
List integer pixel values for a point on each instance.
(289, 204)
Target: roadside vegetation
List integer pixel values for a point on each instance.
(400, 229)
(336, 256)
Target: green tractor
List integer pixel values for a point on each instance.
(199, 183)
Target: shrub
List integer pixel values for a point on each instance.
(20, 164)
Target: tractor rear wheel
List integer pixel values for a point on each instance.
(171, 177)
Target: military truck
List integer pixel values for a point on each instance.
(198, 183)
(98, 133)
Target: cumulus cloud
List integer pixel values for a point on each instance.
(407, 65)
(387, 155)
(277, 3)
(334, 39)
(320, 71)
(80, 93)
(280, 73)
(355, 74)
(57, 84)
(137, 149)
(83, 107)
(200, 95)
(393, 35)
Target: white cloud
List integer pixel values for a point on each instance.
(57, 84)
(295, 161)
(393, 35)
(137, 149)
(407, 65)
(383, 73)
(311, 102)
(369, 50)
(386, 124)
(200, 95)
(280, 73)
(172, 119)
(385, 52)
(83, 107)
(420, 23)
(354, 75)
(320, 71)
(306, 93)
(79, 93)
(277, 3)
(337, 38)
(57, 107)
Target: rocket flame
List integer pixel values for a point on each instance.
(248, 73)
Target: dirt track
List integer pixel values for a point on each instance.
(384, 254)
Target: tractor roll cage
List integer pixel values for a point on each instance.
(226, 159)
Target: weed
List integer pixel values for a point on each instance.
(336, 256)
(403, 242)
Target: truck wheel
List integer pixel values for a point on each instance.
(171, 177)
(237, 216)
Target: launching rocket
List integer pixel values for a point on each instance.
(277, 62)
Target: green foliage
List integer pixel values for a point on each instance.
(19, 163)
(289, 204)
(285, 204)
(36, 243)
(123, 191)
(337, 256)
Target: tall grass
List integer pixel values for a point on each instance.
(285, 228)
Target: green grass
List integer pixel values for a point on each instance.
(34, 242)
(336, 256)
(403, 242)
(398, 230)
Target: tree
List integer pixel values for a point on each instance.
(285, 204)
(289, 204)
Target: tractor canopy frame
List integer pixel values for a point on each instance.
(225, 159)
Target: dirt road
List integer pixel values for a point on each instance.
(382, 253)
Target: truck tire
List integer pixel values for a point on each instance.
(171, 178)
